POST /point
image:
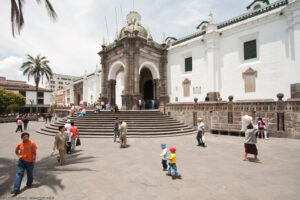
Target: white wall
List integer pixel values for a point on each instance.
(47, 98)
(91, 88)
(30, 95)
(275, 64)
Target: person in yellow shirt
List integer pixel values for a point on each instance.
(172, 165)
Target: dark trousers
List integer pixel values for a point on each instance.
(19, 128)
(199, 138)
(22, 166)
(69, 147)
(164, 163)
(25, 126)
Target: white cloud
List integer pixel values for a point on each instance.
(10, 68)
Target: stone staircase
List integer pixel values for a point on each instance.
(145, 123)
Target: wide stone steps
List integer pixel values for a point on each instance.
(140, 124)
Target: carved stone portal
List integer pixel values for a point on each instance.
(249, 77)
(186, 84)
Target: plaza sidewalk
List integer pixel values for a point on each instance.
(101, 170)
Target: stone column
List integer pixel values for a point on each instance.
(104, 74)
(156, 90)
(126, 74)
(113, 92)
(163, 96)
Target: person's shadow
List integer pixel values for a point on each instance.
(44, 172)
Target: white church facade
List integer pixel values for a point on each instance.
(253, 56)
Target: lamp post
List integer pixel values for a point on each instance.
(31, 102)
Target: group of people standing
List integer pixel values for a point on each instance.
(120, 131)
(66, 140)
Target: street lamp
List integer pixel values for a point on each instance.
(31, 102)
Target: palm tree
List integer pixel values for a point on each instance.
(17, 20)
(37, 68)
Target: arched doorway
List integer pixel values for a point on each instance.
(148, 90)
(146, 87)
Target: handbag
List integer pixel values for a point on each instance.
(78, 143)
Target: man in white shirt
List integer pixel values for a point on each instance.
(68, 125)
(201, 132)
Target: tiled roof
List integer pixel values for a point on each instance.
(19, 85)
(235, 20)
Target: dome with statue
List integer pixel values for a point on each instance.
(133, 23)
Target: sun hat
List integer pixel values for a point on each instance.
(68, 121)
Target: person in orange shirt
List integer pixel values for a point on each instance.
(26, 151)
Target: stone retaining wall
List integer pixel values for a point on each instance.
(282, 118)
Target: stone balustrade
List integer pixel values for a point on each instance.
(282, 118)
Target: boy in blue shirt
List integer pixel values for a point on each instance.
(164, 156)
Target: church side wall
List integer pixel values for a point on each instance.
(176, 72)
(275, 65)
(272, 64)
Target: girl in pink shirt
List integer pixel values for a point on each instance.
(19, 122)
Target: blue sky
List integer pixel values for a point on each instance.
(72, 42)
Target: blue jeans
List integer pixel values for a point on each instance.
(116, 133)
(164, 164)
(199, 138)
(173, 170)
(22, 166)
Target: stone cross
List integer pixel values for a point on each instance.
(211, 18)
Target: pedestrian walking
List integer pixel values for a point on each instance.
(164, 156)
(25, 122)
(123, 134)
(68, 125)
(50, 117)
(19, 123)
(68, 141)
(26, 151)
(75, 134)
(172, 165)
(201, 132)
(60, 144)
(46, 116)
(116, 129)
(261, 127)
(140, 104)
(250, 138)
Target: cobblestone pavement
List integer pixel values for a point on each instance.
(101, 170)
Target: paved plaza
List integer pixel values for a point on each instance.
(101, 170)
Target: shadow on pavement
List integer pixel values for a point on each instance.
(45, 171)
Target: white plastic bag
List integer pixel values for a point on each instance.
(245, 122)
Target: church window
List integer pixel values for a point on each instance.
(186, 84)
(257, 7)
(250, 50)
(249, 77)
(188, 64)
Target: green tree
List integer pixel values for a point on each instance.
(17, 19)
(37, 68)
(10, 101)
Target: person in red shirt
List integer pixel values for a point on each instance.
(26, 151)
(75, 135)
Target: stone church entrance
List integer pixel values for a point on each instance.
(143, 63)
(146, 84)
